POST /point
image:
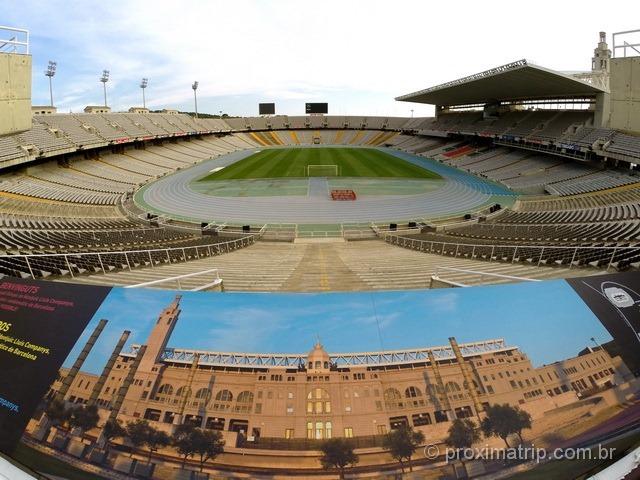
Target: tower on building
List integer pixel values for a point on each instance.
(318, 360)
(601, 56)
(160, 334)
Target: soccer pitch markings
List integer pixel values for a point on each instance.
(293, 163)
(455, 193)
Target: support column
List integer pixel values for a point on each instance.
(440, 385)
(178, 419)
(82, 356)
(42, 429)
(467, 377)
(97, 388)
(121, 394)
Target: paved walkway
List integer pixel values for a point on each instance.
(316, 267)
(318, 188)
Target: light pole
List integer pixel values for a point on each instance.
(50, 72)
(220, 114)
(143, 85)
(104, 79)
(195, 96)
(412, 113)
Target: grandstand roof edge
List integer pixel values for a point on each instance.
(517, 80)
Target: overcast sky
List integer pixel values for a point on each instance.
(356, 55)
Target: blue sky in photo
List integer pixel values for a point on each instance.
(357, 56)
(545, 319)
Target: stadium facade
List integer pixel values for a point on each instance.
(259, 399)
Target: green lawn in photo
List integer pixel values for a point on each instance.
(293, 162)
(43, 463)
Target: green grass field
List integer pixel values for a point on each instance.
(293, 162)
(46, 464)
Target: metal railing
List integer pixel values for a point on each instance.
(10, 231)
(570, 256)
(303, 444)
(179, 279)
(320, 233)
(14, 40)
(436, 276)
(74, 264)
(623, 45)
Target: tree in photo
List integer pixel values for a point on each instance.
(208, 444)
(504, 420)
(337, 453)
(58, 413)
(524, 422)
(462, 434)
(84, 418)
(402, 443)
(112, 430)
(156, 439)
(183, 441)
(137, 433)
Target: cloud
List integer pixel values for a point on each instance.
(244, 330)
(357, 56)
(444, 303)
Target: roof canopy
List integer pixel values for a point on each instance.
(294, 360)
(515, 81)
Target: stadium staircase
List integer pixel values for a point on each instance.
(316, 267)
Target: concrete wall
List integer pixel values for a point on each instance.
(625, 94)
(15, 93)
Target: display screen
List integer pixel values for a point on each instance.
(316, 108)
(267, 108)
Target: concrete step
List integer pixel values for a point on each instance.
(330, 266)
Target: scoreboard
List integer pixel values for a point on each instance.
(316, 108)
(266, 108)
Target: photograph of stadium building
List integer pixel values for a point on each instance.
(275, 409)
(335, 240)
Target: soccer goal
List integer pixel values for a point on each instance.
(323, 171)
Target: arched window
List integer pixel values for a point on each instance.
(223, 400)
(245, 397)
(452, 387)
(392, 398)
(224, 396)
(202, 397)
(454, 391)
(392, 394)
(165, 389)
(412, 392)
(182, 391)
(318, 401)
(203, 394)
(415, 396)
(244, 401)
(164, 393)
